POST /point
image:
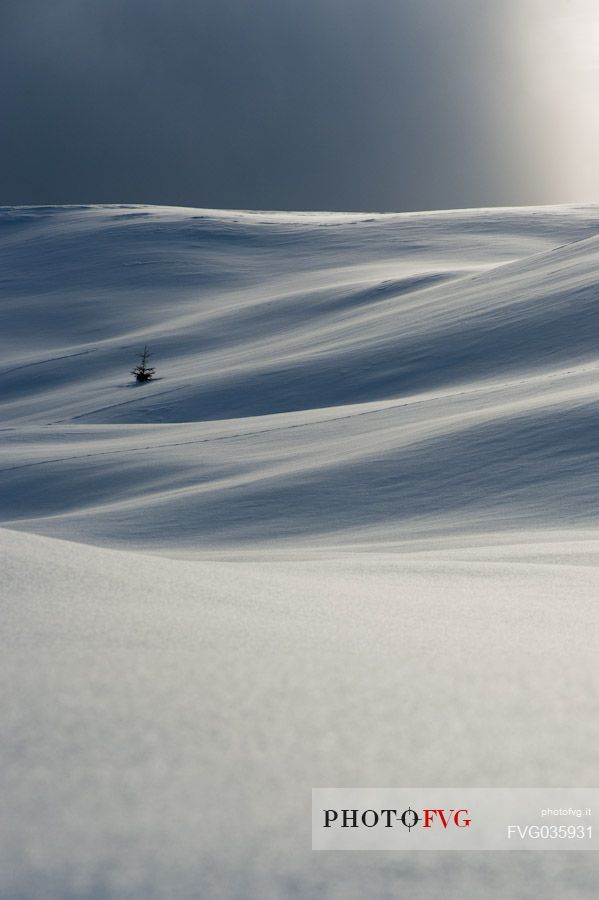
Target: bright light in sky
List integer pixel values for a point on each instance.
(300, 104)
(560, 51)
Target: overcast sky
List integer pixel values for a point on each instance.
(299, 104)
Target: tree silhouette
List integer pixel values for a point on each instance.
(142, 371)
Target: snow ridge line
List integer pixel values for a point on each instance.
(42, 362)
(280, 428)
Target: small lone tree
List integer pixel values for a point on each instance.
(142, 371)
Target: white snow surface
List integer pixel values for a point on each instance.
(349, 536)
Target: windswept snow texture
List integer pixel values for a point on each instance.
(320, 377)
(349, 536)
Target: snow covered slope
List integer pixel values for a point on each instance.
(320, 376)
(349, 536)
(165, 720)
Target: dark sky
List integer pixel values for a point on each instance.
(267, 104)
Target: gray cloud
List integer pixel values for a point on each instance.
(303, 104)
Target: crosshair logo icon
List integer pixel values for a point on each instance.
(410, 818)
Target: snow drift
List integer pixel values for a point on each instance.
(348, 536)
(320, 377)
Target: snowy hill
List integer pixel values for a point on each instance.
(348, 536)
(347, 377)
